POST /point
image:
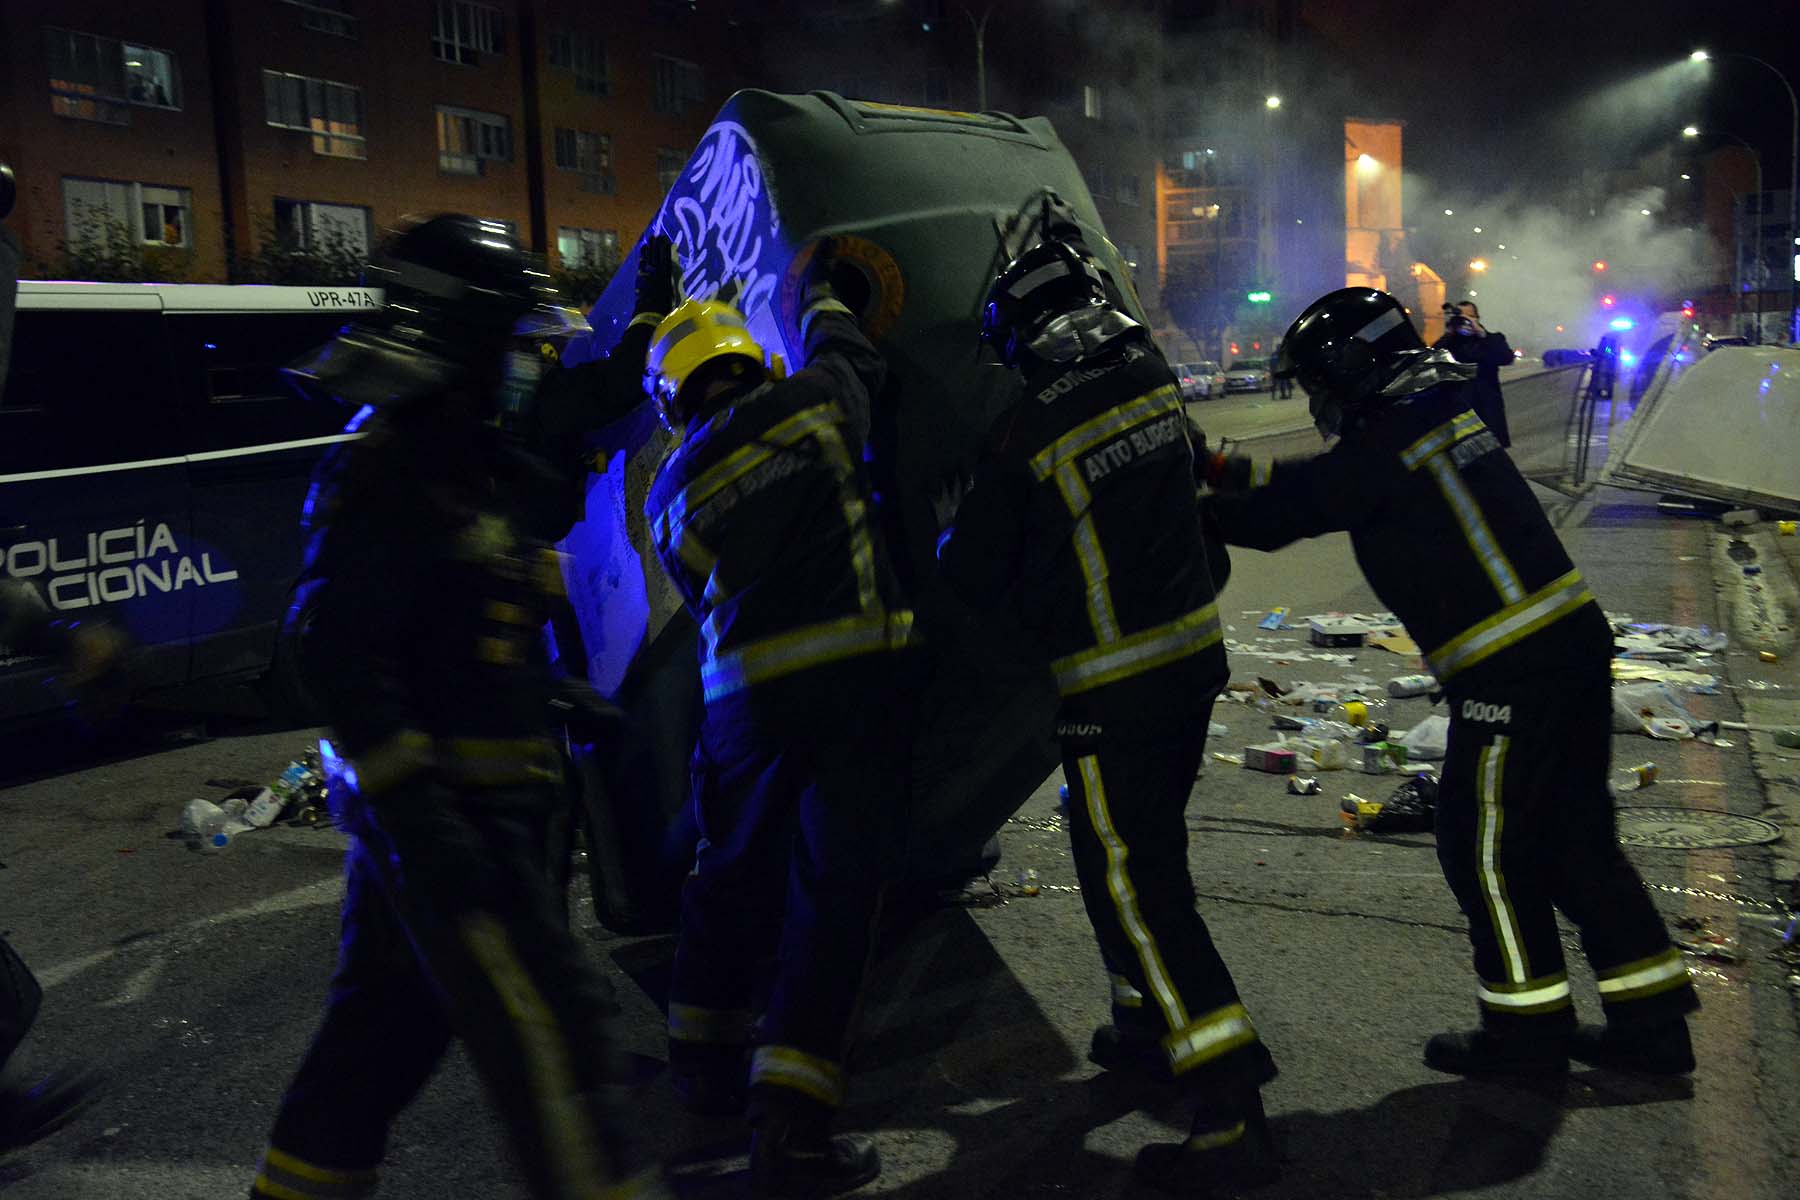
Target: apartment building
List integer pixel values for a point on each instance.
(203, 130)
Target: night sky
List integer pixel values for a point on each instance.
(1507, 94)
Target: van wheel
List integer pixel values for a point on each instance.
(283, 686)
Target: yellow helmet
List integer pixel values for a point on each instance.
(696, 333)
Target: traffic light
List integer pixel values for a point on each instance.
(1608, 300)
(1259, 297)
(1599, 264)
(1687, 309)
(1234, 348)
(1256, 345)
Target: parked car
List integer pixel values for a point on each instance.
(1714, 341)
(1200, 380)
(153, 465)
(1248, 375)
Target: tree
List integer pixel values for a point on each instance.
(1200, 307)
(330, 258)
(102, 248)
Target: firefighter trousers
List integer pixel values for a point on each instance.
(1128, 799)
(799, 820)
(1525, 828)
(453, 926)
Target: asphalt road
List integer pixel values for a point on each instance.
(197, 978)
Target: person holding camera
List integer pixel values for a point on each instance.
(1470, 342)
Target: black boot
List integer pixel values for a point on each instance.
(30, 1112)
(1652, 1050)
(794, 1154)
(1116, 1048)
(1229, 1148)
(1484, 1052)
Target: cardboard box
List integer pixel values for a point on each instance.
(1337, 631)
(1272, 757)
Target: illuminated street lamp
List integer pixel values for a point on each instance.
(1478, 265)
(1701, 56)
(1272, 102)
(1449, 212)
(1690, 131)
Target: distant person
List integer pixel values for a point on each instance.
(1284, 384)
(1525, 826)
(1466, 339)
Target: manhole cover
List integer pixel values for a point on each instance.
(1672, 828)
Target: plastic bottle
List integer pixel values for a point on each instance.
(1630, 779)
(1358, 711)
(1411, 685)
(205, 825)
(1029, 883)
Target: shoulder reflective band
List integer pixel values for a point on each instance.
(1475, 529)
(1113, 421)
(1464, 424)
(1510, 625)
(1138, 652)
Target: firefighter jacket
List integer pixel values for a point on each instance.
(1447, 532)
(426, 598)
(762, 519)
(1084, 522)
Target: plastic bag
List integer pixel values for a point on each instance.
(1428, 740)
(1411, 809)
(1654, 709)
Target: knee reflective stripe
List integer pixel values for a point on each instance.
(785, 1066)
(715, 1026)
(1124, 897)
(1216, 1138)
(576, 1159)
(1124, 995)
(1534, 996)
(1217, 1033)
(288, 1178)
(1646, 977)
(1490, 771)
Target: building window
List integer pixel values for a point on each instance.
(467, 140)
(679, 85)
(96, 209)
(323, 228)
(87, 77)
(331, 112)
(588, 153)
(151, 75)
(584, 55)
(463, 31)
(587, 247)
(1099, 185)
(1128, 190)
(668, 169)
(326, 16)
(1090, 101)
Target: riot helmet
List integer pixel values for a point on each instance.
(701, 342)
(1346, 350)
(457, 293)
(1051, 304)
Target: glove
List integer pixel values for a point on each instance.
(1227, 473)
(656, 268)
(587, 715)
(815, 285)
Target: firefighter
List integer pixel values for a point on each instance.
(426, 597)
(762, 518)
(1083, 524)
(1452, 540)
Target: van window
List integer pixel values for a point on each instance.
(230, 365)
(86, 388)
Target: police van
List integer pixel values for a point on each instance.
(153, 466)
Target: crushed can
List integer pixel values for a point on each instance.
(1302, 785)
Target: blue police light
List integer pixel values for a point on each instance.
(1627, 357)
(1621, 323)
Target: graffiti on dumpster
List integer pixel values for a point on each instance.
(723, 221)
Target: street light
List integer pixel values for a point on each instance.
(1272, 102)
(1737, 250)
(1701, 56)
(1690, 131)
(1449, 212)
(980, 27)
(1478, 265)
